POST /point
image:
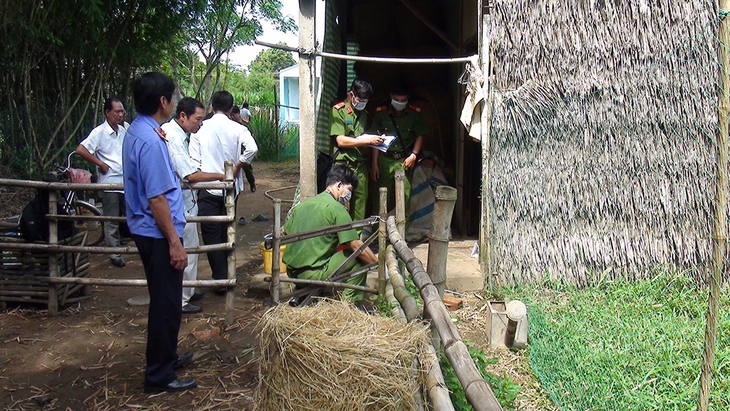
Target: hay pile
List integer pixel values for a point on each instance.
(331, 356)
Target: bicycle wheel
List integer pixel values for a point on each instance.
(94, 229)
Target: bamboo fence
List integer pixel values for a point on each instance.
(26, 267)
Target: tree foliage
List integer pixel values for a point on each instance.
(60, 59)
(223, 25)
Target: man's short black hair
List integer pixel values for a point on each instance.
(342, 174)
(235, 110)
(245, 104)
(108, 103)
(361, 89)
(188, 105)
(148, 89)
(222, 101)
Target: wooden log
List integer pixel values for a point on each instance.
(230, 203)
(190, 219)
(42, 185)
(53, 256)
(382, 232)
(477, 391)
(307, 100)
(304, 235)
(275, 253)
(400, 202)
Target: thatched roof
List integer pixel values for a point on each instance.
(604, 120)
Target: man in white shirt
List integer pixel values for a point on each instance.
(188, 119)
(219, 141)
(103, 148)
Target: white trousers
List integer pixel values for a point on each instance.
(190, 239)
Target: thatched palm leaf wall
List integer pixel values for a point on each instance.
(602, 136)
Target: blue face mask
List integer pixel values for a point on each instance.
(345, 198)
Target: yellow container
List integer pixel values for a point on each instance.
(267, 254)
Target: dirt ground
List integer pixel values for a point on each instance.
(91, 356)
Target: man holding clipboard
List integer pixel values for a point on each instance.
(407, 124)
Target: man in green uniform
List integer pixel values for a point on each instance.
(316, 258)
(347, 121)
(407, 124)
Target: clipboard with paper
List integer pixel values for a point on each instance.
(387, 141)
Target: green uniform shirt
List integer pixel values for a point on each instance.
(411, 125)
(319, 211)
(346, 121)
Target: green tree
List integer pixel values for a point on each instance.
(61, 59)
(223, 25)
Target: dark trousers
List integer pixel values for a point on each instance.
(248, 171)
(214, 233)
(164, 284)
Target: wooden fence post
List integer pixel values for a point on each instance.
(230, 202)
(438, 242)
(382, 233)
(276, 253)
(52, 254)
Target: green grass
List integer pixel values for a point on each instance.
(625, 346)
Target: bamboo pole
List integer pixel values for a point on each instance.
(304, 235)
(339, 278)
(324, 283)
(230, 203)
(485, 44)
(275, 252)
(102, 250)
(189, 219)
(406, 300)
(720, 228)
(400, 202)
(382, 232)
(42, 185)
(438, 242)
(307, 97)
(52, 256)
(394, 60)
(477, 391)
(395, 309)
(126, 282)
(438, 238)
(435, 384)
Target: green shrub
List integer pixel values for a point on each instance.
(276, 143)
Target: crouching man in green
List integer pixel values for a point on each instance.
(316, 258)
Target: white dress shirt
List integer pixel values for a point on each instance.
(106, 144)
(177, 146)
(222, 140)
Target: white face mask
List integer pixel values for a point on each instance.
(398, 105)
(360, 105)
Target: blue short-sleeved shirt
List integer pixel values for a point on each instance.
(148, 172)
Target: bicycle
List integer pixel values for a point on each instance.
(73, 202)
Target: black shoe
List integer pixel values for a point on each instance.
(220, 290)
(122, 242)
(253, 187)
(175, 386)
(118, 262)
(191, 309)
(198, 295)
(260, 217)
(183, 360)
(242, 221)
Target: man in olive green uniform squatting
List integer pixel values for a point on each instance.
(348, 120)
(408, 125)
(317, 258)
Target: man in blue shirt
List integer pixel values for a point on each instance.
(156, 219)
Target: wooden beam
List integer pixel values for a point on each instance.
(307, 104)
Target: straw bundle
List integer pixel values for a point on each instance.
(602, 138)
(331, 356)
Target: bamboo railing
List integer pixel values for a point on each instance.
(54, 248)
